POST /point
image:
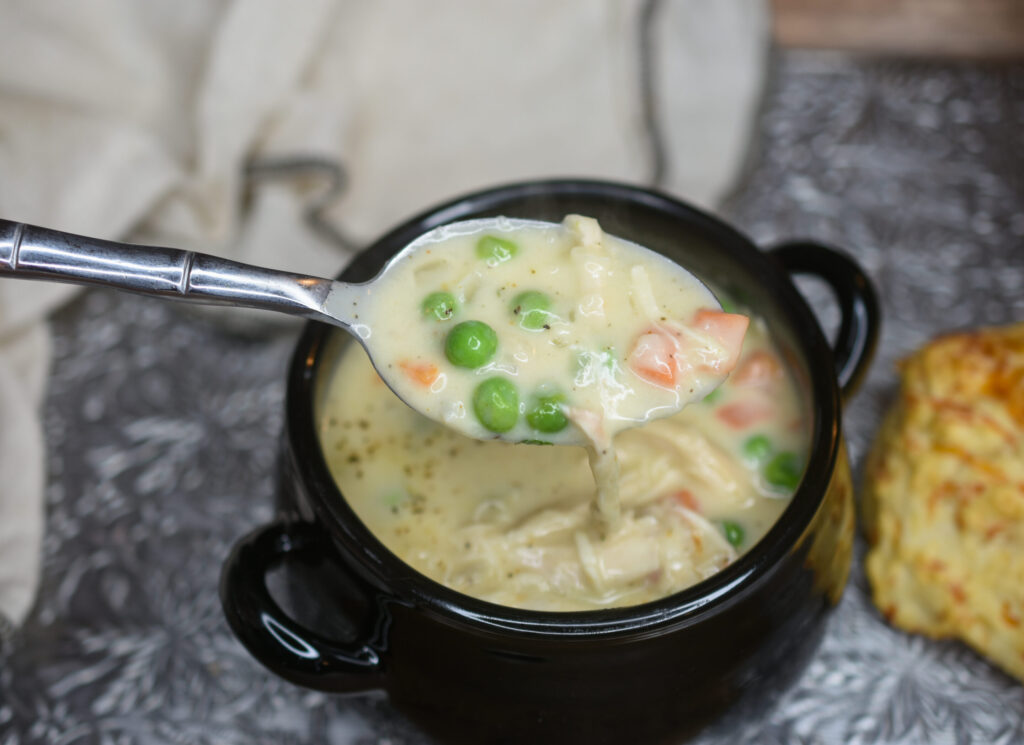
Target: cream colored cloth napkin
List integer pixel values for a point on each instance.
(131, 120)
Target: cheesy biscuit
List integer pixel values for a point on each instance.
(944, 495)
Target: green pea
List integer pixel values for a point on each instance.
(470, 344)
(496, 404)
(712, 397)
(757, 447)
(495, 250)
(733, 532)
(546, 414)
(439, 306)
(784, 471)
(533, 309)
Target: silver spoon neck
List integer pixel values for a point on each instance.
(31, 252)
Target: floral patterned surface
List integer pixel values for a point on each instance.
(163, 436)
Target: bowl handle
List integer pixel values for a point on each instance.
(280, 643)
(855, 343)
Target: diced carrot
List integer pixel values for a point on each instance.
(744, 414)
(727, 329)
(653, 358)
(686, 499)
(760, 368)
(424, 373)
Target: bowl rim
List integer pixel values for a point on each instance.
(685, 607)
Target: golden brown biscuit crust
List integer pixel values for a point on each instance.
(944, 495)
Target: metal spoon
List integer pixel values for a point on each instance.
(31, 252)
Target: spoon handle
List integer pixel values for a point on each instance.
(31, 252)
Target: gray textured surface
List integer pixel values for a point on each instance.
(163, 434)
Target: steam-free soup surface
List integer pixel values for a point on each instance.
(514, 523)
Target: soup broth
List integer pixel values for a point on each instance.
(515, 524)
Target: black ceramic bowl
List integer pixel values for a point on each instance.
(470, 671)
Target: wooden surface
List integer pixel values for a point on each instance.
(942, 28)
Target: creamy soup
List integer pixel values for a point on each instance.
(514, 523)
(550, 334)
